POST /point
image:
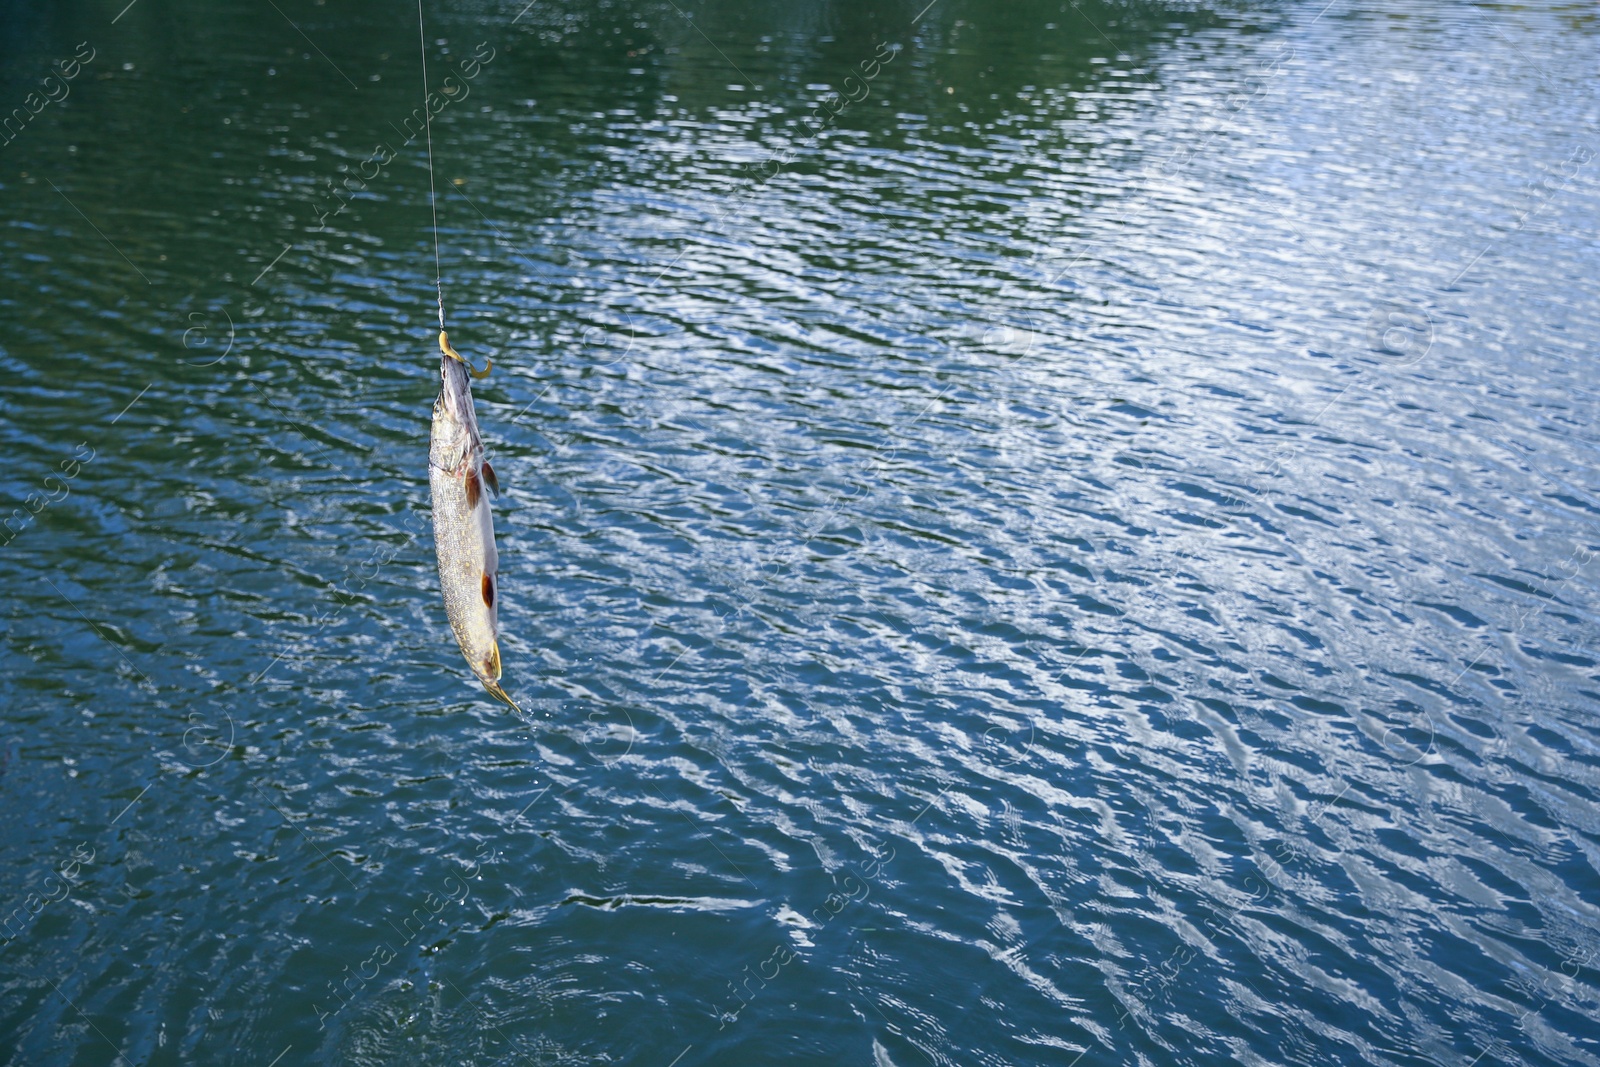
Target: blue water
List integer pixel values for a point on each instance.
(1033, 534)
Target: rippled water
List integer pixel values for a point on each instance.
(1083, 556)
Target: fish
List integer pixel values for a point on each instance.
(460, 480)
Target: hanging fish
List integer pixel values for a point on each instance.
(463, 526)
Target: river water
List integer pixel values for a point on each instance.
(1032, 534)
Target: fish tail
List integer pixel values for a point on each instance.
(495, 691)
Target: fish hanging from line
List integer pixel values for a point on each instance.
(460, 478)
(463, 525)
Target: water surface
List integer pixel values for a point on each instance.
(1033, 534)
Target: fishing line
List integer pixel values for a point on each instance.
(433, 195)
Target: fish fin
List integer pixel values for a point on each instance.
(474, 488)
(489, 479)
(491, 661)
(488, 590)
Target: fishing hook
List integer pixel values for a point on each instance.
(444, 346)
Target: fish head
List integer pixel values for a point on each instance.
(455, 423)
(455, 393)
